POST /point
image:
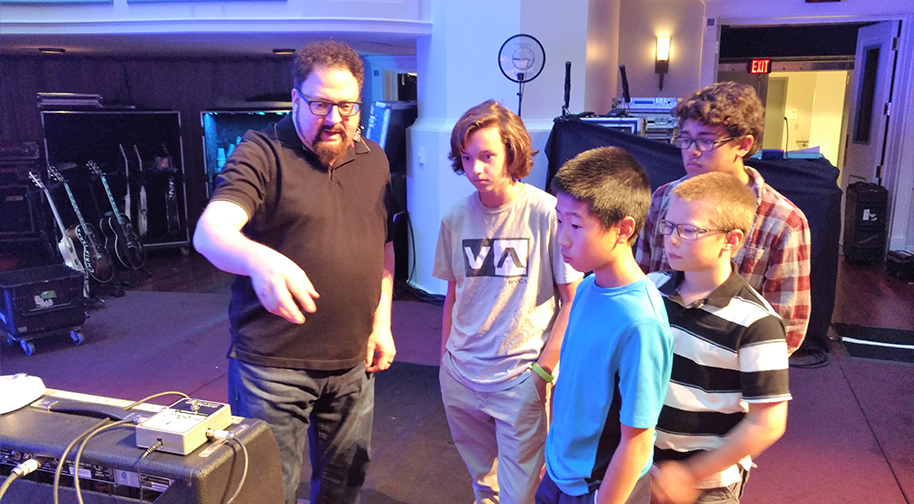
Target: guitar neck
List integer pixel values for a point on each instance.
(47, 194)
(79, 215)
(117, 213)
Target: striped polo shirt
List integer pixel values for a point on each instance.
(729, 350)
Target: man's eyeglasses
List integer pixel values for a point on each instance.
(686, 231)
(323, 107)
(703, 144)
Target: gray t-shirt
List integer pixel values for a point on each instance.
(506, 263)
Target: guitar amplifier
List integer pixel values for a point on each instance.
(110, 470)
(16, 209)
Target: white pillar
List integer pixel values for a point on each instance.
(457, 69)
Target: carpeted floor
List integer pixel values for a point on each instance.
(149, 342)
(848, 439)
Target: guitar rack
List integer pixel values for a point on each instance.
(143, 156)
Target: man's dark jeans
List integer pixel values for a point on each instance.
(332, 409)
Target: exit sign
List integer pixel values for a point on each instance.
(759, 66)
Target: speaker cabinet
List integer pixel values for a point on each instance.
(865, 218)
(16, 210)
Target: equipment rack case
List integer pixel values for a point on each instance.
(41, 302)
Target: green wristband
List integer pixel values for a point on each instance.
(548, 378)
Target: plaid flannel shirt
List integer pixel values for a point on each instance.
(774, 258)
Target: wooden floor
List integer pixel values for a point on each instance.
(865, 294)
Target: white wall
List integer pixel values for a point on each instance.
(827, 112)
(602, 56)
(641, 22)
(457, 69)
(801, 91)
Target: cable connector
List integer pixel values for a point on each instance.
(219, 435)
(29, 466)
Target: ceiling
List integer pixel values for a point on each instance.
(210, 44)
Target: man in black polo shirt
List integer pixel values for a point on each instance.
(299, 214)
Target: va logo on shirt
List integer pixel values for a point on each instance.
(496, 257)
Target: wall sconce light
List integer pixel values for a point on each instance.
(662, 65)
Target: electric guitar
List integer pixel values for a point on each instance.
(141, 209)
(171, 198)
(127, 208)
(65, 245)
(96, 259)
(121, 241)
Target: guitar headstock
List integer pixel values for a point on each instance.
(94, 167)
(36, 179)
(52, 171)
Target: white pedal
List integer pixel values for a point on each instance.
(182, 426)
(19, 390)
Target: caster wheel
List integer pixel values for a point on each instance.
(27, 347)
(77, 337)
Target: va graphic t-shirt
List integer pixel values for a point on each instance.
(506, 263)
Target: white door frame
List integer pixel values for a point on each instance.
(898, 176)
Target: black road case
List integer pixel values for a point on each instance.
(865, 220)
(42, 301)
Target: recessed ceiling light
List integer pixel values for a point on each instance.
(51, 50)
(283, 51)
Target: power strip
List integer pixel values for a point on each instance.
(182, 426)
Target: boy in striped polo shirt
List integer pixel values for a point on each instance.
(728, 393)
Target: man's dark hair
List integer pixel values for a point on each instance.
(734, 106)
(328, 54)
(611, 182)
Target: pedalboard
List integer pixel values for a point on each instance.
(182, 426)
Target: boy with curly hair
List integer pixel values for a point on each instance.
(719, 127)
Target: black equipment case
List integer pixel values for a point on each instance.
(41, 301)
(865, 219)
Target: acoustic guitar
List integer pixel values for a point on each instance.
(95, 258)
(65, 245)
(121, 241)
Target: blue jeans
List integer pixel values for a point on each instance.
(549, 493)
(331, 409)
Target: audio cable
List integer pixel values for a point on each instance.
(91, 432)
(221, 435)
(27, 467)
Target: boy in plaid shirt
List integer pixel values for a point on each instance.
(720, 126)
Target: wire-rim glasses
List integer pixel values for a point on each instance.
(687, 231)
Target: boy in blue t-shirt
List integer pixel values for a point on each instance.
(615, 361)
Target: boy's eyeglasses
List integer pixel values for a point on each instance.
(703, 144)
(686, 231)
(323, 107)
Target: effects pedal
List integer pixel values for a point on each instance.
(182, 426)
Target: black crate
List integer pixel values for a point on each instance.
(42, 299)
(865, 219)
(900, 264)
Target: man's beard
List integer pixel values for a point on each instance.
(329, 154)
